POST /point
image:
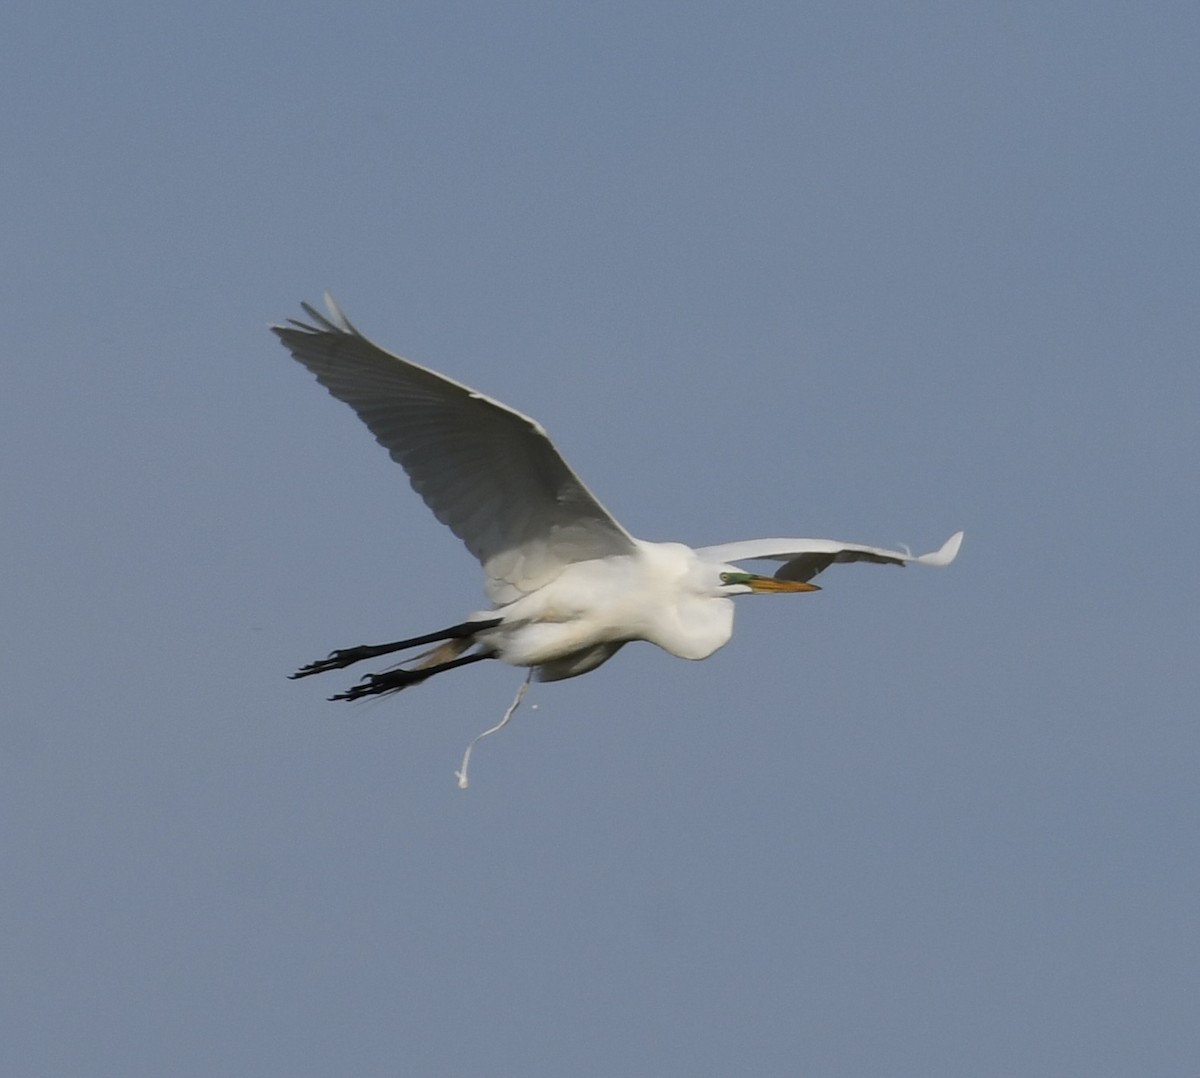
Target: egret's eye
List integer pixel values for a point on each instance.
(734, 578)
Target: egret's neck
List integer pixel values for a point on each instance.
(684, 616)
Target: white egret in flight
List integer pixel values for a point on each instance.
(569, 586)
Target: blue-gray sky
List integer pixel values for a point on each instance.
(870, 271)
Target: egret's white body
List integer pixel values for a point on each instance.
(569, 585)
(662, 593)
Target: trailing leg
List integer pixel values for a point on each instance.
(395, 680)
(348, 656)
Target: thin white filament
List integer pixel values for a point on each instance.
(462, 772)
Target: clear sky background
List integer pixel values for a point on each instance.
(869, 271)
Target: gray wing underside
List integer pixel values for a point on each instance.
(490, 474)
(805, 558)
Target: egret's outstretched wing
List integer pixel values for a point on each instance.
(805, 558)
(488, 473)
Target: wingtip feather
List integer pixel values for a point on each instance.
(334, 322)
(947, 553)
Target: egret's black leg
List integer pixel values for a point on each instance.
(348, 656)
(395, 680)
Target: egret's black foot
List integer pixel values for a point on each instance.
(395, 680)
(379, 684)
(336, 660)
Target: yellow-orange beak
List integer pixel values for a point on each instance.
(768, 585)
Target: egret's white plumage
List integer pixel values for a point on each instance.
(569, 585)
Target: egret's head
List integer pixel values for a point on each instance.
(739, 583)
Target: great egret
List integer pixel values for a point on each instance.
(569, 586)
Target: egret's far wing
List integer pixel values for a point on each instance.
(805, 558)
(488, 473)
